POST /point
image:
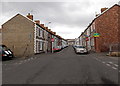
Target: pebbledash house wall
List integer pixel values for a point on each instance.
(108, 25)
(18, 35)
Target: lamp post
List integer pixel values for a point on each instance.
(52, 39)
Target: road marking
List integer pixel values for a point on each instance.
(103, 62)
(116, 65)
(114, 68)
(28, 59)
(19, 63)
(31, 58)
(108, 64)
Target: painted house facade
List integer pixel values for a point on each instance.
(26, 37)
(39, 40)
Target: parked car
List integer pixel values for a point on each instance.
(5, 53)
(80, 49)
(74, 46)
(56, 49)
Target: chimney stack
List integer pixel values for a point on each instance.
(49, 29)
(30, 16)
(37, 21)
(97, 15)
(42, 25)
(103, 9)
(54, 32)
(46, 27)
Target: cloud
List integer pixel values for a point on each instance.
(68, 19)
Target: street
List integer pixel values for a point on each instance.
(64, 67)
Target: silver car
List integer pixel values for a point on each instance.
(80, 49)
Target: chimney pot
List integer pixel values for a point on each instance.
(103, 9)
(46, 28)
(30, 16)
(54, 32)
(42, 25)
(37, 21)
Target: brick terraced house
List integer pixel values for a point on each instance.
(107, 25)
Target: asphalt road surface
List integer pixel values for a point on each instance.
(64, 67)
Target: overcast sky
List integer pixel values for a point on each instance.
(68, 17)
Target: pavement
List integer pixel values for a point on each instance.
(64, 67)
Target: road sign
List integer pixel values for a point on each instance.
(52, 39)
(87, 39)
(96, 35)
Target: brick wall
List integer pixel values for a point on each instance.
(107, 26)
(119, 26)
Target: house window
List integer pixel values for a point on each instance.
(41, 33)
(41, 45)
(37, 31)
(37, 46)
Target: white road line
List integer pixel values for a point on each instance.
(114, 68)
(108, 64)
(19, 63)
(116, 65)
(28, 59)
(103, 62)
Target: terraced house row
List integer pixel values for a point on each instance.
(26, 37)
(103, 33)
